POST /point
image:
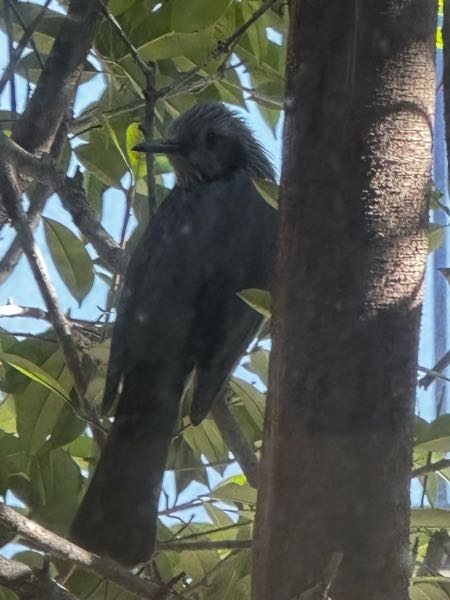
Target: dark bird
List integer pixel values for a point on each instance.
(179, 313)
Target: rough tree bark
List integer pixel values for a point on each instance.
(334, 481)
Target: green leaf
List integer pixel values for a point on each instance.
(195, 46)
(254, 400)
(205, 439)
(434, 436)
(235, 489)
(113, 137)
(435, 235)
(14, 459)
(84, 584)
(6, 594)
(186, 464)
(8, 415)
(55, 485)
(45, 412)
(36, 374)
(101, 157)
(70, 257)
(428, 591)
(82, 451)
(192, 15)
(259, 364)
(268, 190)
(259, 300)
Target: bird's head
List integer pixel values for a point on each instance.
(210, 142)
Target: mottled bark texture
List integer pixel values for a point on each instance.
(353, 245)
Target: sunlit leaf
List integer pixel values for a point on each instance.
(56, 482)
(196, 14)
(268, 190)
(36, 374)
(70, 257)
(435, 235)
(260, 300)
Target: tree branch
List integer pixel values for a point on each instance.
(59, 547)
(180, 546)
(237, 443)
(125, 39)
(11, 310)
(63, 330)
(73, 197)
(431, 468)
(55, 90)
(23, 43)
(30, 584)
(37, 203)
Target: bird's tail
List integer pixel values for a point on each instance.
(117, 517)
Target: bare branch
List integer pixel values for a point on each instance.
(431, 468)
(15, 252)
(55, 90)
(30, 584)
(73, 197)
(237, 443)
(37, 203)
(11, 199)
(180, 546)
(125, 39)
(434, 372)
(23, 43)
(12, 310)
(59, 547)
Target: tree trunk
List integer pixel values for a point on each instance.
(353, 244)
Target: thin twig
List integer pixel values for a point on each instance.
(123, 36)
(236, 441)
(55, 90)
(180, 546)
(27, 36)
(12, 310)
(435, 372)
(431, 467)
(73, 197)
(63, 330)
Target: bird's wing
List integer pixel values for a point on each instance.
(155, 306)
(240, 254)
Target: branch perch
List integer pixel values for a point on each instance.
(59, 547)
(29, 583)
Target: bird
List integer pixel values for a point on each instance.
(179, 319)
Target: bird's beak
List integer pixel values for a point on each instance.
(158, 147)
